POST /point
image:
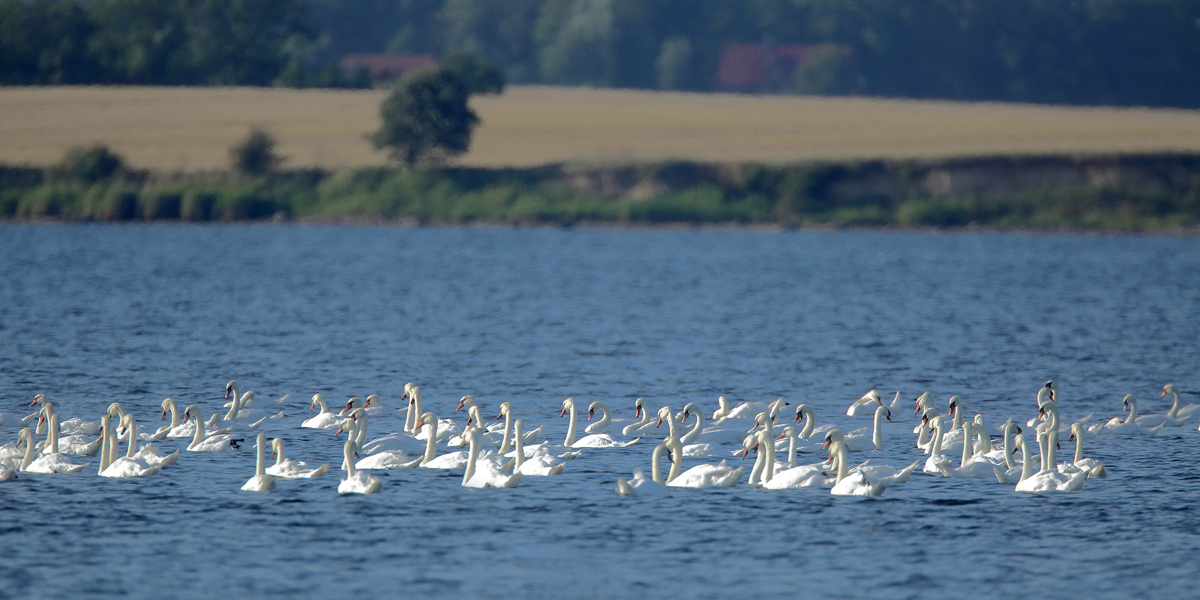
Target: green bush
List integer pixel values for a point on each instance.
(89, 165)
(197, 205)
(119, 204)
(255, 155)
(161, 204)
(47, 201)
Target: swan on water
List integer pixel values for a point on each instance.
(356, 482)
(486, 473)
(286, 468)
(326, 419)
(596, 440)
(214, 443)
(639, 485)
(262, 481)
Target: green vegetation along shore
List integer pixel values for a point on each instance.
(1101, 193)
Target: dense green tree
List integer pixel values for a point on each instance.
(478, 75)
(426, 119)
(255, 155)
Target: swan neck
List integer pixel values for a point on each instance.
(1133, 411)
(769, 463)
(937, 439)
(132, 449)
(416, 407)
(791, 451)
(279, 456)
(655, 467)
(260, 464)
(520, 448)
(605, 418)
(410, 418)
(806, 433)
(877, 434)
(756, 473)
(112, 444)
(199, 435)
(1174, 412)
(104, 444)
(1008, 451)
(676, 465)
(348, 452)
(234, 407)
(1026, 463)
(431, 442)
(1052, 448)
(53, 434)
(1079, 447)
(472, 456)
(697, 429)
(840, 456)
(967, 447)
(30, 451)
(570, 441)
(923, 435)
(361, 438)
(505, 446)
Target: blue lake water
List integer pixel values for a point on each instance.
(95, 314)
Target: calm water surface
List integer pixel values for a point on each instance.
(96, 314)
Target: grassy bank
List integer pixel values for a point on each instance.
(1138, 194)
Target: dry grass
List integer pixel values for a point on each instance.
(193, 128)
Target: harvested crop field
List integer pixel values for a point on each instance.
(193, 128)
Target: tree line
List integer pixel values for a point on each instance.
(1115, 52)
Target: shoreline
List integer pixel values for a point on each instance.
(1133, 193)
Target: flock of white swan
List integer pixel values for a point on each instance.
(499, 454)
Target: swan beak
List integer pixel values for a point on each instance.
(590, 413)
(164, 414)
(745, 451)
(889, 417)
(780, 436)
(827, 442)
(638, 412)
(658, 423)
(1071, 438)
(953, 407)
(797, 419)
(564, 411)
(500, 416)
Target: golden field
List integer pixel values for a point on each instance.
(193, 128)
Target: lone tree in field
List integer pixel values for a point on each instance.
(256, 154)
(426, 118)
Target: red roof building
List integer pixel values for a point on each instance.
(761, 68)
(388, 67)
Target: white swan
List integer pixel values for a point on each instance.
(177, 429)
(606, 419)
(1092, 466)
(597, 440)
(937, 462)
(214, 443)
(699, 476)
(286, 468)
(689, 450)
(856, 484)
(1179, 411)
(356, 482)
(78, 444)
(399, 441)
(54, 462)
(540, 463)
(486, 473)
(1130, 426)
(645, 423)
(1153, 420)
(639, 485)
(745, 410)
(866, 405)
(972, 464)
(1045, 480)
(809, 428)
(795, 444)
(262, 481)
(699, 434)
(326, 419)
(506, 413)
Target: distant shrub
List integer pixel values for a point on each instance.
(161, 204)
(119, 204)
(197, 205)
(256, 154)
(242, 205)
(477, 75)
(47, 201)
(89, 165)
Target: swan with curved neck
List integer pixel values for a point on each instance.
(1046, 480)
(936, 463)
(211, 443)
(430, 441)
(764, 463)
(540, 463)
(487, 475)
(699, 476)
(805, 413)
(262, 481)
(596, 440)
(856, 484)
(639, 485)
(286, 468)
(1092, 466)
(644, 419)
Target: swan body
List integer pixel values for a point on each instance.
(852, 484)
(1092, 466)
(937, 462)
(54, 462)
(356, 482)
(639, 485)
(606, 421)
(1178, 410)
(262, 481)
(286, 468)
(540, 464)
(645, 424)
(326, 419)
(485, 474)
(597, 440)
(699, 476)
(1129, 426)
(1046, 480)
(866, 405)
(214, 443)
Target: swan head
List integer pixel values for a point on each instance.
(352, 404)
(518, 428)
(1169, 389)
(663, 413)
(887, 413)
(593, 407)
(188, 413)
(956, 404)
(788, 431)
(229, 388)
(38, 399)
(869, 397)
(166, 404)
(923, 401)
(428, 417)
(276, 447)
(833, 436)
(689, 410)
(802, 411)
(407, 390)
(505, 409)
(372, 400)
(1128, 401)
(115, 409)
(749, 443)
(1052, 386)
(1076, 430)
(466, 401)
(638, 408)
(350, 426)
(316, 399)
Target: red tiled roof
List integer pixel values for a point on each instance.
(388, 66)
(743, 67)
